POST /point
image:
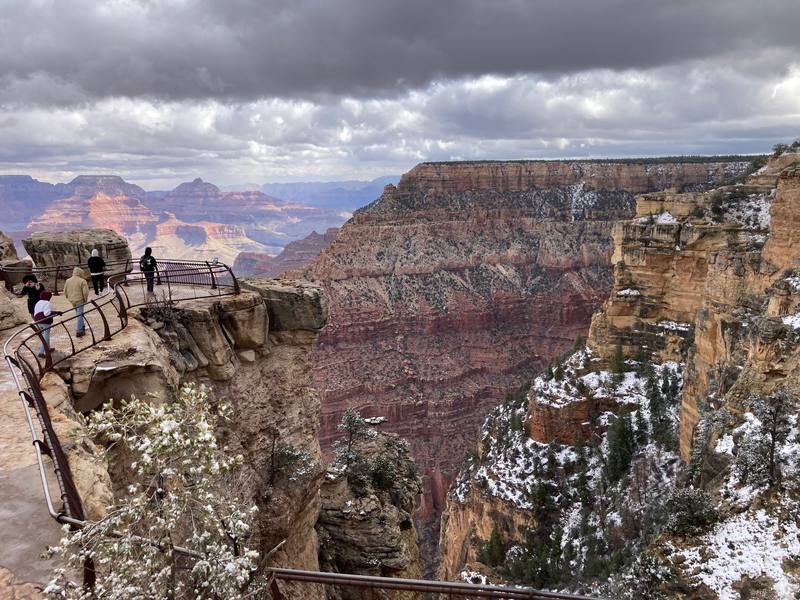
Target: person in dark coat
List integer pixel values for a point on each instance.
(148, 265)
(32, 289)
(97, 268)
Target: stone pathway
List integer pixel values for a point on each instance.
(26, 529)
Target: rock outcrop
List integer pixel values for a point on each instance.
(459, 284)
(253, 350)
(295, 255)
(368, 529)
(56, 248)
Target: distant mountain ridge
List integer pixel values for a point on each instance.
(196, 219)
(341, 195)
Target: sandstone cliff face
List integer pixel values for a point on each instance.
(459, 284)
(369, 530)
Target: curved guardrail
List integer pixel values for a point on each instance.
(29, 355)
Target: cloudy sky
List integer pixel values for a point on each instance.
(236, 91)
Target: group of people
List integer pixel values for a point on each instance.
(76, 291)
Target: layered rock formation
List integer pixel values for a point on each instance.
(459, 284)
(195, 219)
(369, 530)
(703, 307)
(295, 255)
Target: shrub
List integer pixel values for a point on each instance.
(383, 473)
(688, 511)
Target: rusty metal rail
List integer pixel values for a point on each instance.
(29, 355)
(445, 589)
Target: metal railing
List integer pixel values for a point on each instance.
(29, 355)
(444, 589)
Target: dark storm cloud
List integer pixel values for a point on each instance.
(64, 53)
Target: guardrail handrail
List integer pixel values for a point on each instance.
(22, 357)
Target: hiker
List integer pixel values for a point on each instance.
(147, 265)
(32, 289)
(76, 291)
(97, 270)
(43, 315)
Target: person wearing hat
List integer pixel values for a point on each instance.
(43, 315)
(77, 292)
(97, 270)
(32, 289)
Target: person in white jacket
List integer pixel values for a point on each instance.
(43, 314)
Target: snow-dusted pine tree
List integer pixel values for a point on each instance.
(186, 493)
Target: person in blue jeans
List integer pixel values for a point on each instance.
(43, 316)
(147, 265)
(76, 290)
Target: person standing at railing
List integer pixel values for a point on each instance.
(32, 289)
(148, 265)
(97, 268)
(76, 291)
(43, 315)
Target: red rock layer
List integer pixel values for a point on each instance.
(455, 288)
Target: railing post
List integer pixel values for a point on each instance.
(55, 283)
(213, 279)
(106, 329)
(236, 289)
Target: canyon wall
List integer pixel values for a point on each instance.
(458, 285)
(701, 316)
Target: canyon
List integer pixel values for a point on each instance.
(194, 220)
(295, 255)
(458, 285)
(700, 322)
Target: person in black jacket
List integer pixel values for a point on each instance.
(147, 265)
(32, 289)
(97, 267)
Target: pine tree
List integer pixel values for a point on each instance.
(620, 448)
(642, 433)
(618, 360)
(492, 552)
(552, 460)
(759, 461)
(355, 428)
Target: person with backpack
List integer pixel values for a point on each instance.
(32, 289)
(148, 265)
(97, 270)
(43, 315)
(77, 292)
